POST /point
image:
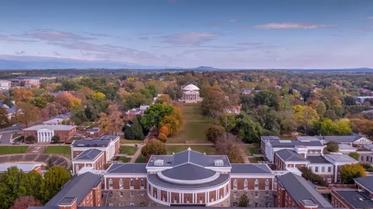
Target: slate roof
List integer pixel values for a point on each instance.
(250, 168)
(300, 189)
(293, 143)
(355, 198)
(267, 138)
(78, 187)
(189, 156)
(102, 141)
(188, 172)
(154, 179)
(289, 155)
(127, 168)
(90, 154)
(50, 127)
(317, 160)
(366, 182)
(340, 158)
(341, 139)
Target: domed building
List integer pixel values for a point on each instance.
(190, 94)
(188, 178)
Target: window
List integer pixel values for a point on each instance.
(256, 184)
(245, 184)
(121, 194)
(267, 184)
(323, 169)
(235, 184)
(110, 183)
(121, 184)
(316, 169)
(329, 169)
(256, 194)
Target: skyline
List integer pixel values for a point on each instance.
(177, 33)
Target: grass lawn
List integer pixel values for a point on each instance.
(195, 126)
(140, 159)
(126, 141)
(200, 148)
(4, 150)
(59, 150)
(128, 150)
(124, 159)
(252, 149)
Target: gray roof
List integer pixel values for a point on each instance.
(250, 168)
(90, 154)
(317, 160)
(50, 127)
(289, 155)
(366, 182)
(189, 156)
(355, 198)
(127, 168)
(340, 158)
(154, 179)
(78, 187)
(300, 189)
(341, 139)
(267, 138)
(188, 171)
(293, 143)
(102, 141)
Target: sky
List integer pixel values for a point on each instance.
(191, 33)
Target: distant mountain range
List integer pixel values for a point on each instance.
(41, 63)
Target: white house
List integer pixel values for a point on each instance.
(191, 94)
(5, 85)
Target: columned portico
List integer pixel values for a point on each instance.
(45, 135)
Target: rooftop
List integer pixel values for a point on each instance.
(50, 127)
(77, 187)
(340, 158)
(289, 155)
(191, 87)
(127, 168)
(102, 141)
(250, 168)
(341, 139)
(301, 190)
(366, 182)
(355, 198)
(317, 160)
(90, 154)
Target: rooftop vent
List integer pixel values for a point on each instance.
(159, 162)
(218, 163)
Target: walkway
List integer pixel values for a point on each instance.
(137, 153)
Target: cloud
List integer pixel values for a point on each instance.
(290, 25)
(87, 45)
(189, 38)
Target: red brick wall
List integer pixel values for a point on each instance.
(251, 183)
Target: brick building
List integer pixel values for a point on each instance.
(44, 133)
(90, 159)
(295, 191)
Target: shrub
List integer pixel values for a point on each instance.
(311, 176)
(55, 139)
(30, 139)
(154, 147)
(214, 132)
(349, 172)
(332, 146)
(244, 201)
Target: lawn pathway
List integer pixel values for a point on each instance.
(137, 153)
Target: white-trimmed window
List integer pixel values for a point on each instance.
(256, 184)
(110, 183)
(266, 184)
(245, 184)
(121, 186)
(235, 184)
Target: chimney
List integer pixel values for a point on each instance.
(308, 204)
(68, 203)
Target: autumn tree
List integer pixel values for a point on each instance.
(28, 113)
(24, 202)
(68, 100)
(311, 176)
(231, 146)
(4, 120)
(112, 121)
(153, 147)
(350, 172)
(305, 116)
(214, 132)
(213, 102)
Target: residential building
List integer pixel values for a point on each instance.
(89, 159)
(295, 191)
(190, 94)
(108, 144)
(360, 197)
(44, 133)
(352, 140)
(5, 85)
(339, 160)
(27, 82)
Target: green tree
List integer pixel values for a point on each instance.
(249, 130)
(30, 139)
(54, 179)
(133, 130)
(311, 176)
(154, 115)
(354, 155)
(55, 139)
(305, 116)
(154, 147)
(11, 186)
(244, 201)
(267, 98)
(332, 147)
(349, 172)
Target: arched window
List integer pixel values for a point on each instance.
(245, 184)
(266, 184)
(121, 184)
